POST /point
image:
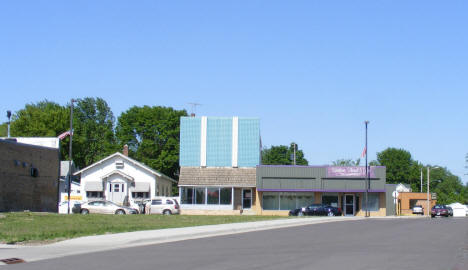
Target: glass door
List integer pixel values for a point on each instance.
(349, 205)
(246, 198)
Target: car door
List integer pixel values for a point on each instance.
(156, 206)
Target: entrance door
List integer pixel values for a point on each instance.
(246, 198)
(117, 192)
(349, 205)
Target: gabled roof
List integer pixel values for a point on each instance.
(136, 163)
(119, 173)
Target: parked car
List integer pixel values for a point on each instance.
(450, 210)
(163, 205)
(316, 210)
(75, 207)
(418, 210)
(440, 210)
(106, 207)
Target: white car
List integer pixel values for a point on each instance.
(63, 206)
(418, 210)
(163, 205)
(105, 207)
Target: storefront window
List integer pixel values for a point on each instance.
(186, 195)
(373, 201)
(330, 199)
(304, 199)
(213, 195)
(270, 201)
(226, 195)
(287, 201)
(200, 196)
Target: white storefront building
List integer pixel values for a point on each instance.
(122, 180)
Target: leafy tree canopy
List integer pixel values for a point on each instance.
(42, 119)
(93, 137)
(152, 134)
(398, 163)
(283, 155)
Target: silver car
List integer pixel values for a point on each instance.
(418, 210)
(106, 207)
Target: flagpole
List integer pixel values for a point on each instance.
(367, 176)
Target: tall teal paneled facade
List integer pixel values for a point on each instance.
(190, 138)
(249, 142)
(219, 142)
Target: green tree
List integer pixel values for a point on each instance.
(283, 155)
(398, 163)
(42, 119)
(93, 137)
(4, 130)
(152, 134)
(346, 162)
(448, 187)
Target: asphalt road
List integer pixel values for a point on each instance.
(440, 243)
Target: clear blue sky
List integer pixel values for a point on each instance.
(312, 71)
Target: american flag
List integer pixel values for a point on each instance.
(364, 152)
(64, 135)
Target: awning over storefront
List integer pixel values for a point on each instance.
(94, 186)
(140, 187)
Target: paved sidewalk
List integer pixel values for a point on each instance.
(97, 243)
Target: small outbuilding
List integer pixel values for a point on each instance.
(459, 210)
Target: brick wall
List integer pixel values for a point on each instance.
(18, 189)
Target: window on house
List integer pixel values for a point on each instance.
(94, 194)
(140, 195)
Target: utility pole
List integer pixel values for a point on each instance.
(367, 176)
(70, 153)
(421, 180)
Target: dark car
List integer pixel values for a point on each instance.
(440, 210)
(450, 210)
(316, 210)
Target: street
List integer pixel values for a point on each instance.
(440, 243)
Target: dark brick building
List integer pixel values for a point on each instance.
(28, 177)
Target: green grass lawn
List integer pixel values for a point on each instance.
(31, 227)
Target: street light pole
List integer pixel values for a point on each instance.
(294, 154)
(70, 154)
(9, 116)
(367, 176)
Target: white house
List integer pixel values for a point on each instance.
(122, 180)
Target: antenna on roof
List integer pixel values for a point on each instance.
(193, 108)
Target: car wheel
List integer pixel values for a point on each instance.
(120, 212)
(300, 214)
(167, 212)
(84, 211)
(331, 214)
